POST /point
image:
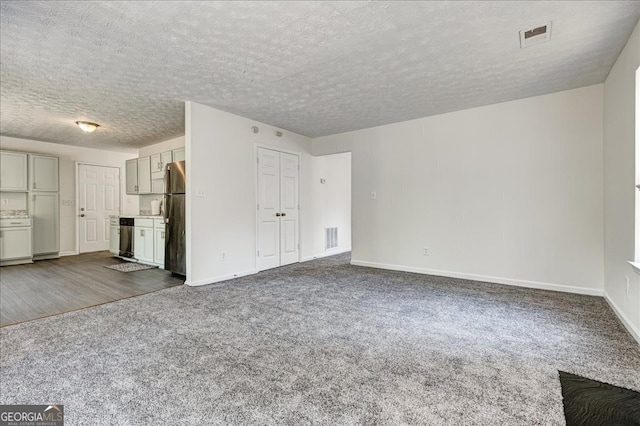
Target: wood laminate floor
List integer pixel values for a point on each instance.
(49, 287)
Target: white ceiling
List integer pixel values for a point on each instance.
(315, 68)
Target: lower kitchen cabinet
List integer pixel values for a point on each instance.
(15, 241)
(143, 242)
(158, 242)
(114, 235)
(46, 224)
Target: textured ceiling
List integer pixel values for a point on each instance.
(315, 68)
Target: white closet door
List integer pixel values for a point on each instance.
(289, 238)
(278, 214)
(268, 255)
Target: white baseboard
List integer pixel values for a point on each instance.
(68, 253)
(219, 278)
(325, 254)
(623, 318)
(486, 278)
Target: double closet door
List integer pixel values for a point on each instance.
(278, 209)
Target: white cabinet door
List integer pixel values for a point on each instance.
(46, 223)
(15, 243)
(43, 173)
(158, 244)
(159, 163)
(143, 244)
(114, 239)
(131, 171)
(13, 171)
(178, 154)
(156, 166)
(144, 175)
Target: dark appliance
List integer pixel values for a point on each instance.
(175, 250)
(126, 237)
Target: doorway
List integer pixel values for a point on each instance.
(98, 198)
(278, 235)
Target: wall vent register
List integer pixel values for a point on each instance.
(331, 238)
(535, 35)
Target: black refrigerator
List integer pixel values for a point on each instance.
(175, 250)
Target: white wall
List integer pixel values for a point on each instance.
(221, 158)
(69, 155)
(329, 205)
(509, 193)
(170, 145)
(619, 180)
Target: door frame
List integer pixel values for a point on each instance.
(257, 197)
(77, 195)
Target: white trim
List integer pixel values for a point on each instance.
(327, 254)
(68, 253)
(635, 266)
(635, 333)
(485, 278)
(219, 278)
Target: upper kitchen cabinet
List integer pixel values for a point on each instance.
(178, 154)
(13, 171)
(144, 175)
(159, 163)
(43, 173)
(131, 172)
(138, 176)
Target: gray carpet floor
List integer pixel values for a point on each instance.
(321, 342)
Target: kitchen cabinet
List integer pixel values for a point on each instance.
(159, 163)
(138, 176)
(114, 235)
(144, 175)
(178, 154)
(131, 176)
(43, 173)
(15, 241)
(158, 242)
(45, 211)
(143, 240)
(13, 171)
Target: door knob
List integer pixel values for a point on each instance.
(82, 209)
(278, 214)
(283, 214)
(82, 215)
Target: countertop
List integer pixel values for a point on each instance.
(141, 216)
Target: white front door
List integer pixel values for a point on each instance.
(98, 197)
(278, 213)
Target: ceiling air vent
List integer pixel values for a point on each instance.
(535, 35)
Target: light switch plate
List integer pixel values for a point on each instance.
(374, 196)
(201, 193)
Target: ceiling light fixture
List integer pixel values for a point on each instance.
(87, 126)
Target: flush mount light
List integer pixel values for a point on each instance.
(87, 126)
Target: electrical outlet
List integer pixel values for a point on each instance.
(5, 201)
(374, 196)
(223, 256)
(426, 251)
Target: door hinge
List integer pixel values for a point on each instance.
(258, 160)
(257, 206)
(258, 253)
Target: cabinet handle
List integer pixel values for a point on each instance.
(142, 232)
(162, 234)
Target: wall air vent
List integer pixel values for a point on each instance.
(535, 35)
(331, 238)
